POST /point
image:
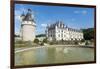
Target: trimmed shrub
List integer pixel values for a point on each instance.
(45, 40)
(82, 40)
(42, 44)
(51, 43)
(36, 41)
(86, 43)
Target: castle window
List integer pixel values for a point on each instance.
(62, 30)
(62, 35)
(59, 31)
(59, 35)
(51, 35)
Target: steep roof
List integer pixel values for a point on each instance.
(28, 16)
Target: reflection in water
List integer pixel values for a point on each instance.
(41, 55)
(59, 55)
(51, 55)
(66, 50)
(25, 58)
(54, 55)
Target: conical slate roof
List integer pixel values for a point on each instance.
(28, 16)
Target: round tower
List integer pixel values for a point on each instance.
(27, 26)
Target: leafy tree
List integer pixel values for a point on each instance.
(36, 41)
(88, 33)
(51, 43)
(82, 40)
(86, 43)
(75, 42)
(41, 35)
(42, 43)
(45, 40)
(16, 35)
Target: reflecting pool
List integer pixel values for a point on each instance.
(51, 55)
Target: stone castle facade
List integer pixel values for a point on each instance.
(59, 31)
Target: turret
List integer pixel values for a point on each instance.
(22, 16)
(28, 26)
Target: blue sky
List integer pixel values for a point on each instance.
(74, 17)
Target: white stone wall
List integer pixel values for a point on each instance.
(51, 34)
(64, 34)
(28, 31)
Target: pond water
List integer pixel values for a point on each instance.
(52, 55)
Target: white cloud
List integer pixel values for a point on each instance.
(17, 17)
(84, 12)
(47, 22)
(23, 10)
(43, 25)
(18, 12)
(17, 33)
(76, 12)
(80, 12)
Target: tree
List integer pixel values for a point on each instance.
(88, 33)
(41, 35)
(42, 44)
(36, 41)
(76, 42)
(86, 43)
(45, 40)
(82, 40)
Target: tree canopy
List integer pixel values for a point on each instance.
(41, 35)
(36, 41)
(88, 33)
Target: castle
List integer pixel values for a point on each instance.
(27, 26)
(59, 31)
